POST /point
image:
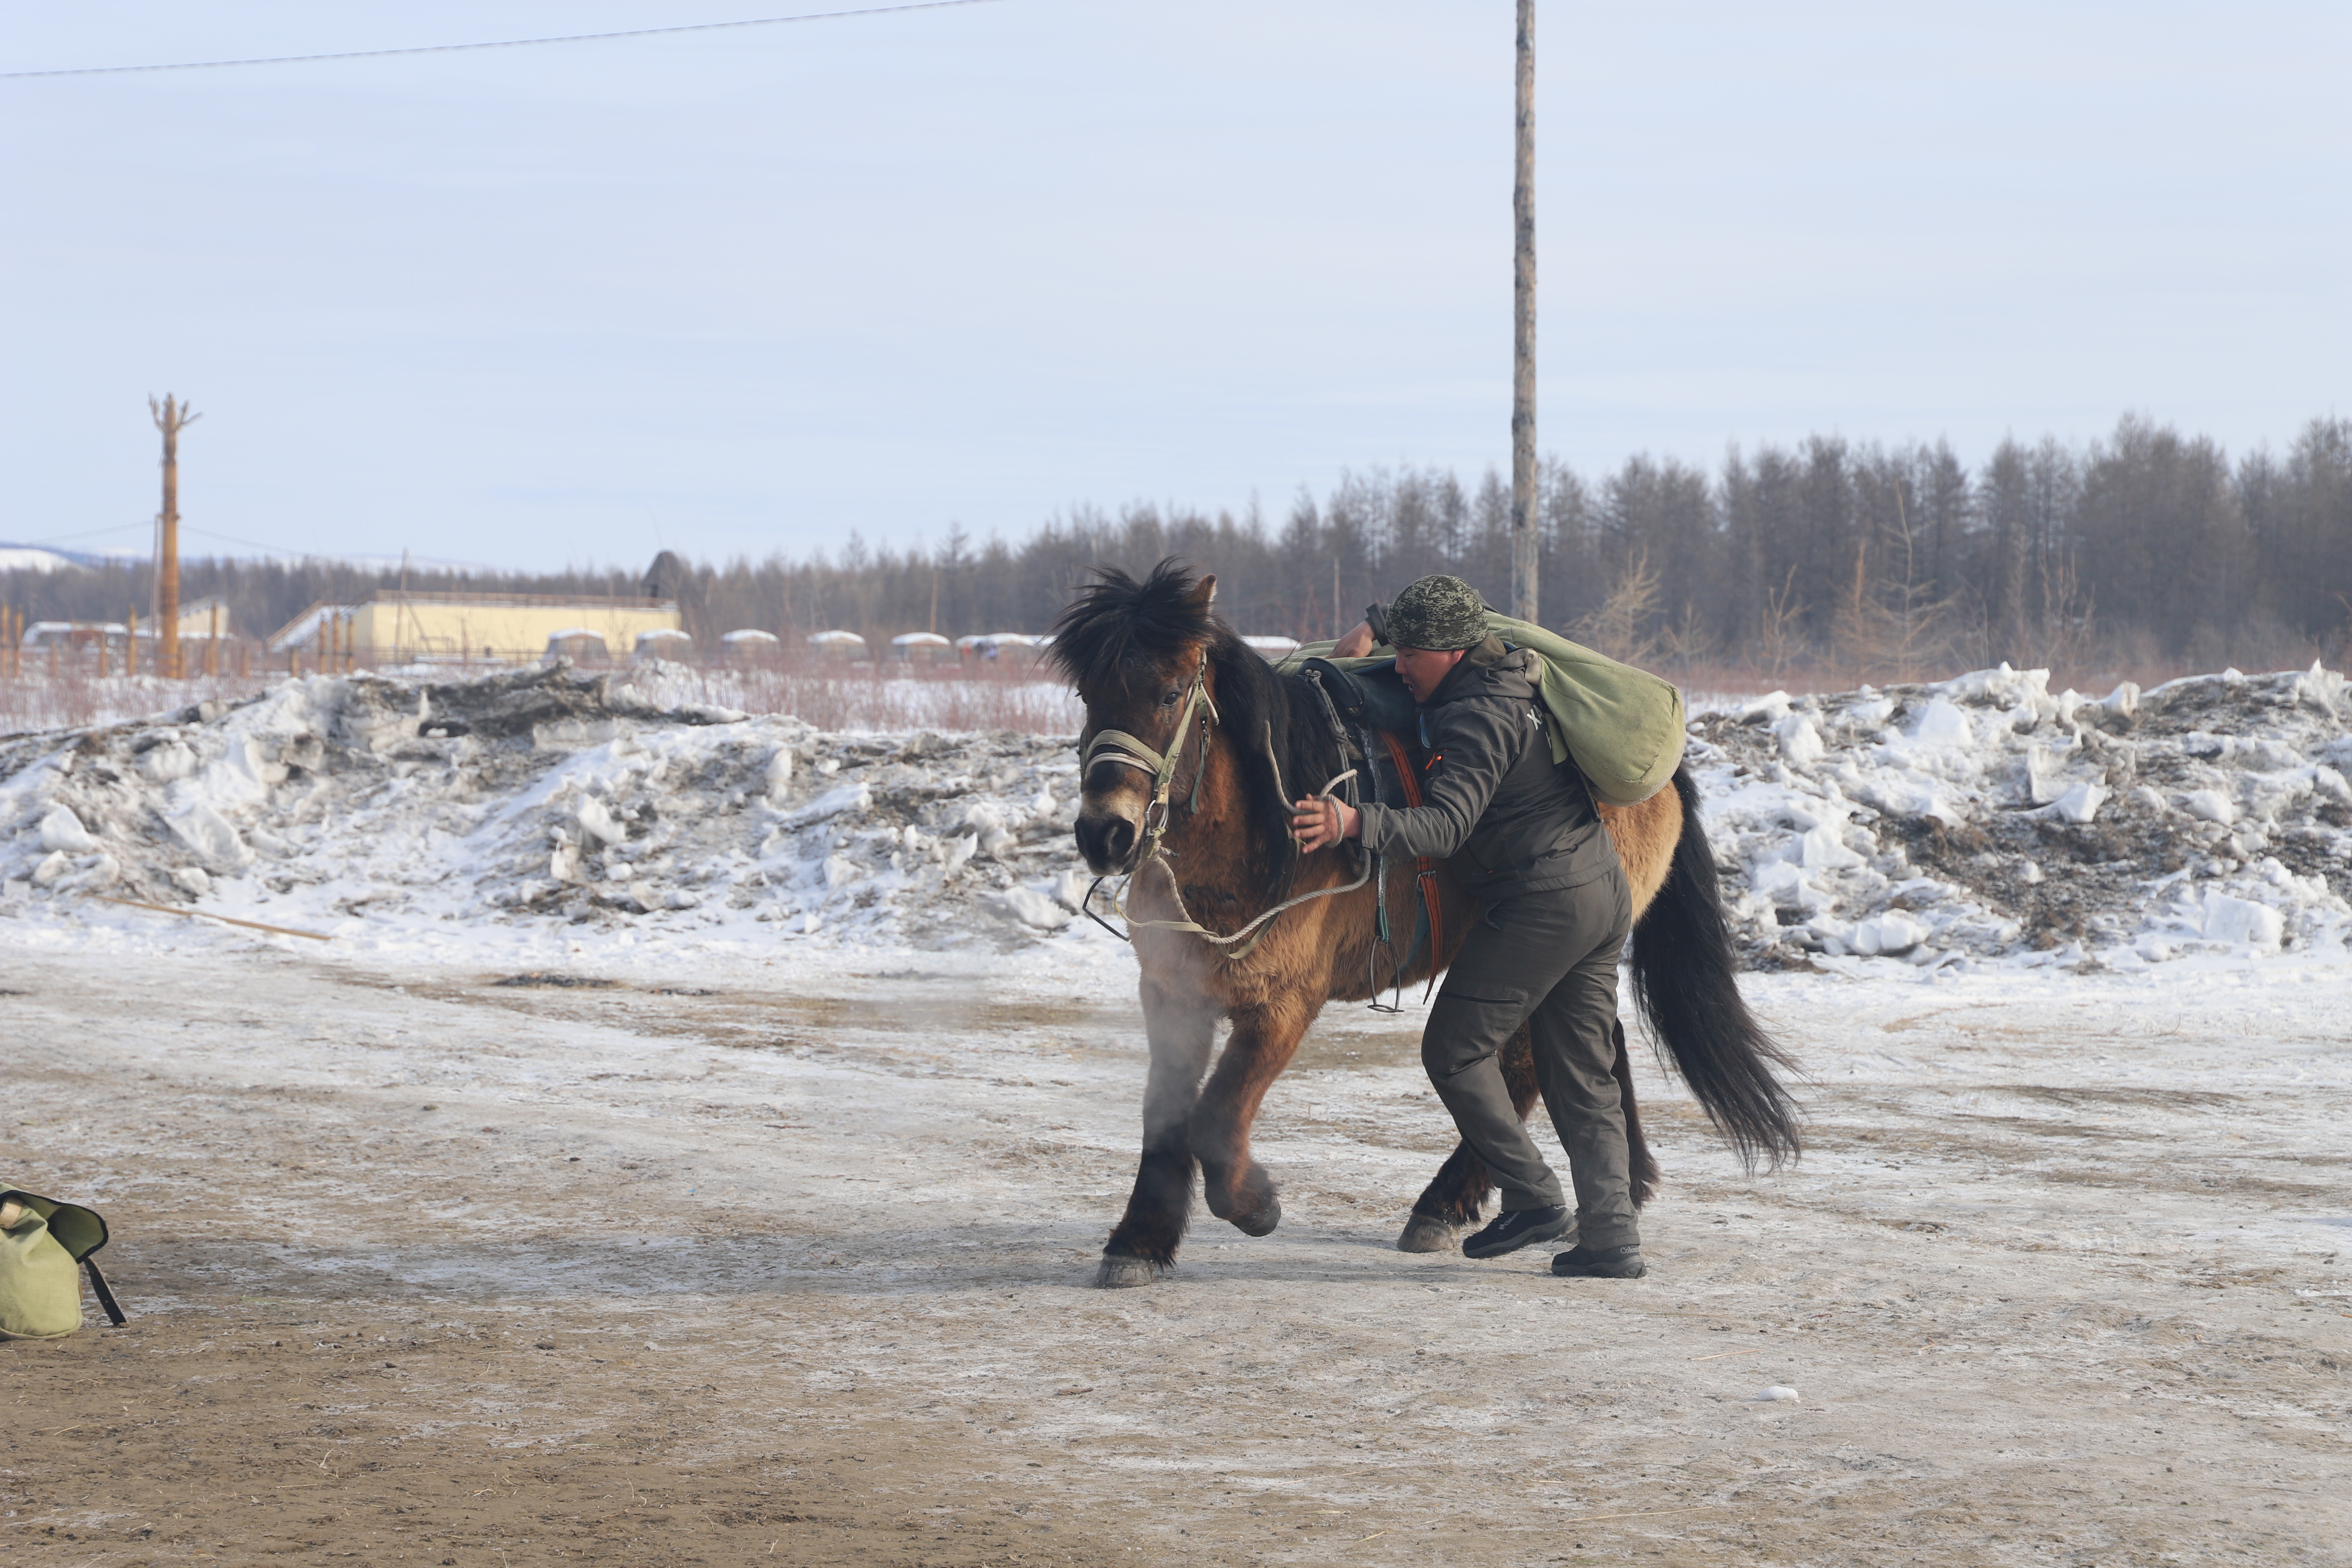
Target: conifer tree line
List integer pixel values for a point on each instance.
(2145, 549)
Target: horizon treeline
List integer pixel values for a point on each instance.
(2145, 549)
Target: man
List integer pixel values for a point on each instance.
(1526, 837)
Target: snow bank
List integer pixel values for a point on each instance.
(1979, 820)
(364, 803)
(1984, 819)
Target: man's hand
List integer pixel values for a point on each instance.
(1323, 820)
(1356, 643)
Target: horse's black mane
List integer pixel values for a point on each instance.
(1116, 637)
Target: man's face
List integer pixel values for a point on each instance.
(1423, 670)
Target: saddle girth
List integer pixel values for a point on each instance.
(1424, 869)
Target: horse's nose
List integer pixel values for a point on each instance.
(1105, 839)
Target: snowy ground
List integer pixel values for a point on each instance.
(692, 1142)
(785, 1258)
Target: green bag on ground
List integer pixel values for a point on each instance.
(44, 1247)
(1623, 726)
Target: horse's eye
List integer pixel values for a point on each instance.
(1169, 700)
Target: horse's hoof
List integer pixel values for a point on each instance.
(1119, 1271)
(1427, 1233)
(1261, 1222)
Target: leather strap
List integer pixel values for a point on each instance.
(105, 1296)
(1424, 869)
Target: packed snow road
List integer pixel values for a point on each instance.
(645, 1260)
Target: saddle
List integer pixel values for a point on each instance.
(1387, 741)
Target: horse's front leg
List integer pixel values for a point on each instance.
(1237, 1187)
(1143, 1245)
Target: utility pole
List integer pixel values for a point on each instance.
(170, 417)
(1525, 557)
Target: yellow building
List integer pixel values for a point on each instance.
(199, 616)
(498, 628)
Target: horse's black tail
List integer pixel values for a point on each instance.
(1683, 973)
(1641, 1164)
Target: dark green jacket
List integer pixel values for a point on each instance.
(1493, 802)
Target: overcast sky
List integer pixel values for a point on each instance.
(748, 291)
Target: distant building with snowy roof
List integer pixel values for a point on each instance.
(394, 627)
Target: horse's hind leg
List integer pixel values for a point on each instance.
(1143, 1245)
(1458, 1191)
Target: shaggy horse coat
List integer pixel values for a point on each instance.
(1135, 650)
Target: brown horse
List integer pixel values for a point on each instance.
(1192, 750)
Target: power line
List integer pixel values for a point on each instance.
(258, 544)
(497, 43)
(379, 560)
(276, 550)
(86, 533)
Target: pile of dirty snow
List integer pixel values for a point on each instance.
(1975, 820)
(1983, 817)
(340, 804)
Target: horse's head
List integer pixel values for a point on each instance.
(1141, 655)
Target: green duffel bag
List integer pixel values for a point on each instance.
(1623, 726)
(44, 1247)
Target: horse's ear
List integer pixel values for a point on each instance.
(1205, 591)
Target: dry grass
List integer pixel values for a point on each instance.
(1018, 695)
(1007, 695)
(73, 697)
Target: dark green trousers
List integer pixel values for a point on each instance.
(1549, 960)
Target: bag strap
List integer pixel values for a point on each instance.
(105, 1297)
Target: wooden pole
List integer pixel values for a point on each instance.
(171, 419)
(211, 646)
(131, 648)
(200, 915)
(1525, 555)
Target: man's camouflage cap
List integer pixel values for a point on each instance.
(1438, 613)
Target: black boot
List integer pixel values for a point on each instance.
(1515, 1228)
(1581, 1262)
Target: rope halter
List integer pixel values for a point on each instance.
(1130, 751)
(1119, 746)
